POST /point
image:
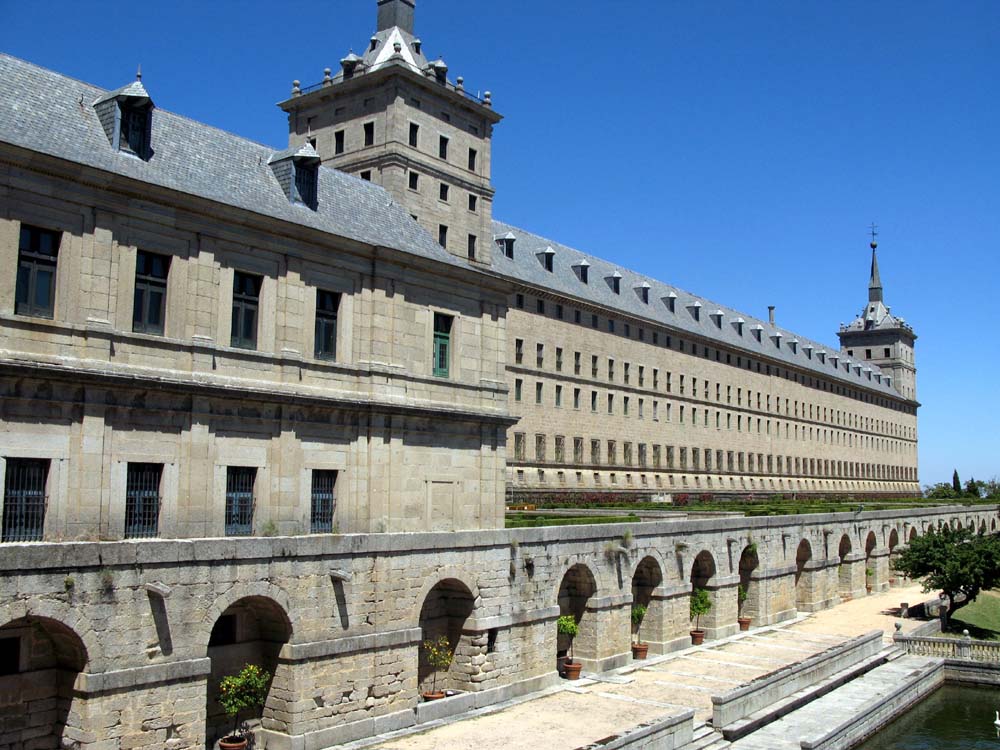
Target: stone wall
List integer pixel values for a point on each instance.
(146, 628)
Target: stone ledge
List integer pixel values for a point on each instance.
(98, 682)
(481, 624)
(349, 644)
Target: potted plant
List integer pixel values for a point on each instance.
(242, 692)
(700, 604)
(869, 574)
(741, 597)
(439, 656)
(639, 649)
(568, 626)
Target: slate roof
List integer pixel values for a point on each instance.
(775, 343)
(52, 114)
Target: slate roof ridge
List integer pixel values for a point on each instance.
(600, 266)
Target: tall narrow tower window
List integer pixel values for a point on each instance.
(338, 142)
(443, 148)
(150, 292)
(369, 133)
(414, 134)
(473, 155)
(443, 235)
(36, 272)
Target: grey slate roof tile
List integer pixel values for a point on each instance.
(527, 267)
(50, 113)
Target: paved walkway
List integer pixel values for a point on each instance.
(589, 710)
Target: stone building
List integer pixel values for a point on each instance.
(619, 382)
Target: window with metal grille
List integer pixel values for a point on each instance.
(142, 500)
(150, 292)
(246, 301)
(442, 344)
(327, 305)
(24, 499)
(306, 181)
(135, 130)
(324, 500)
(38, 251)
(239, 500)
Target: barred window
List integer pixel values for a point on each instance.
(151, 271)
(38, 251)
(24, 499)
(240, 500)
(246, 302)
(327, 307)
(324, 501)
(142, 500)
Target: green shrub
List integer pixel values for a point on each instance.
(243, 692)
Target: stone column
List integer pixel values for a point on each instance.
(721, 618)
(852, 576)
(604, 641)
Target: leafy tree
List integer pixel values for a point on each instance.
(700, 604)
(953, 561)
(956, 483)
(567, 625)
(972, 488)
(638, 612)
(439, 656)
(991, 488)
(939, 491)
(244, 691)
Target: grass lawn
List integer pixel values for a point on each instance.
(981, 618)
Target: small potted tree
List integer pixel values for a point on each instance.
(439, 656)
(238, 693)
(869, 574)
(741, 597)
(700, 604)
(568, 626)
(639, 649)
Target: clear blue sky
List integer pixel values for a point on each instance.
(739, 150)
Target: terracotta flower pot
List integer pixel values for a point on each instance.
(233, 743)
(697, 637)
(639, 650)
(868, 587)
(744, 623)
(572, 670)
(430, 695)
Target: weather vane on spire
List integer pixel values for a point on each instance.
(874, 233)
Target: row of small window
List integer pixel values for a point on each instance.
(752, 484)
(444, 191)
(35, 295)
(668, 341)
(701, 459)
(368, 131)
(26, 500)
(886, 353)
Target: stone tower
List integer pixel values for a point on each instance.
(878, 337)
(394, 117)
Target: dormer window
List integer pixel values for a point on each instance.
(738, 325)
(615, 282)
(695, 308)
(758, 331)
(297, 172)
(643, 291)
(670, 301)
(547, 257)
(794, 346)
(506, 245)
(808, 349)
(776, 337)
(127, 118)
(822, 357)
(717, 318)
(583, 271)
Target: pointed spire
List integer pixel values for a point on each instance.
(874, 281)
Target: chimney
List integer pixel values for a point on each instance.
(770, 314)
(396, 13)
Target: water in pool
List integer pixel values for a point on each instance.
(952, 718)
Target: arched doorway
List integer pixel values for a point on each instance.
(647, 578)
(871, 569)
(445, 610)
(748, 593)
(844, 583)
(39, 661)
(575, 589)
(251, 630)
(702, 572)
(804, 583)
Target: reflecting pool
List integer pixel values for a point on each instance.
(954, 717)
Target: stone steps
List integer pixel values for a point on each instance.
(706, 738)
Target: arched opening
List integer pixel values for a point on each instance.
(702, 573)
(982, 526)
(804, 594)
(871, 571)
(993, 525)
(252, 630)
(913, 535)
(844, 583)
(893, 554)
(575, 589)
(645, 580)
(748, 593)
(445, 610)
(39, 661)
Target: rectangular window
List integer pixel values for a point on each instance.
(539, 447)
(414, 180)
(36, 272)
(518, 351)
(443, 192)
(518, 388)
(369, 134)
(323, 501)
(442, 235)
(135, 130)
(327, 305)
(338, 142)
(443, 147)
(576, 363)
(593, 401)
(540, 306)
(473, 202)
(472, 159)
(595, 452)
(560, 449)
(578, 450)
(559, 396)
(472, 247)
(519, 446)
(150, 292)
(538, 393)
(367, 177)
(246, 302)
(24, 499)
(539, 355)
(576, 398)
(414, 134)
(142, 500)
(559, 359)
(239, 500)
(442, 344)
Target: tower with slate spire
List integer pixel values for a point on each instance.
(392, 116)
(877, 337)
